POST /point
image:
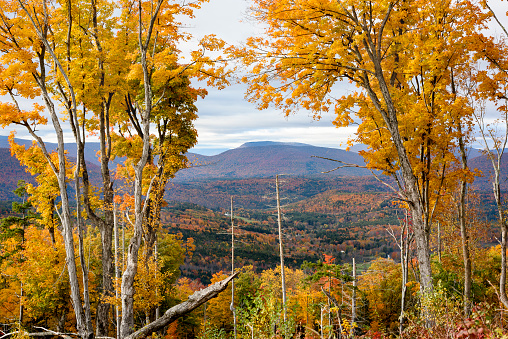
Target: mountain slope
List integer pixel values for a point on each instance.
(253, 160)
(11, 171)
(266, 159)
(91, 148)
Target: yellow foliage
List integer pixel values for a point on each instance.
(39, 267)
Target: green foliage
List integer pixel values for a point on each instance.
(328, 270)
(264, 314)
(13, 227)
(213, 333)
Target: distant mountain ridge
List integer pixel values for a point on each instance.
(11, 172)
(252, 160)
(91, 148)
(267, 158)
(271, 143)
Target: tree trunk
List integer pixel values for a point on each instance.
(463, 231)
(495, 158)
(117, 272)
(194, 301)
(21, 310)
(107, 223)
(411, 194)
(81, 324)
(84, 328)
(353, 300)
(281, 250)
(127, 325)
(504, 231)
(406, 239)
(233, 270)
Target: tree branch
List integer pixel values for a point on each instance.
(194, 301)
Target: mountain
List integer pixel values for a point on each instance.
(11, 172)
(259, 193)
(267, 159)
(252, 160)
(484, 165)
(91, 148)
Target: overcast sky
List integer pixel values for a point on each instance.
(226, 120)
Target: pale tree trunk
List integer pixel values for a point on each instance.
(353, 300)
(233, 270)
(404, 243)
(83, 317)
(495, 157)
(281, 250)
(21, 311)
(338, 313)
(463, 231)
(127, 324)
(194, 301)
(84, 328)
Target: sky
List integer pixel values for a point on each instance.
(226, 120)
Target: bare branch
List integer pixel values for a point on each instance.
(495, 17)
(194, 301)
(400, 196)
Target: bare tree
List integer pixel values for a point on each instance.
(495, 151)
(281, 251)
(232, 306)
(403, 241)
(353, 300)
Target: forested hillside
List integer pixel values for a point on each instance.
(344, 225)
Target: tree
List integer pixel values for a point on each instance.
(403, 241)
(123, 75)
(381, 284)
(329, 275)
(495, 153)
(400, 56)
(281, 251)
(13, 228)
(494, 82)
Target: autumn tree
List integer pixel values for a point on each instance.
(400, 56)
(124, 75)
(492, 82)
(25, 74)
(12, 236)
(334, 280)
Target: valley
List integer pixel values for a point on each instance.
(344, 213)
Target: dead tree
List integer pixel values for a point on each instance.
(403, 241)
